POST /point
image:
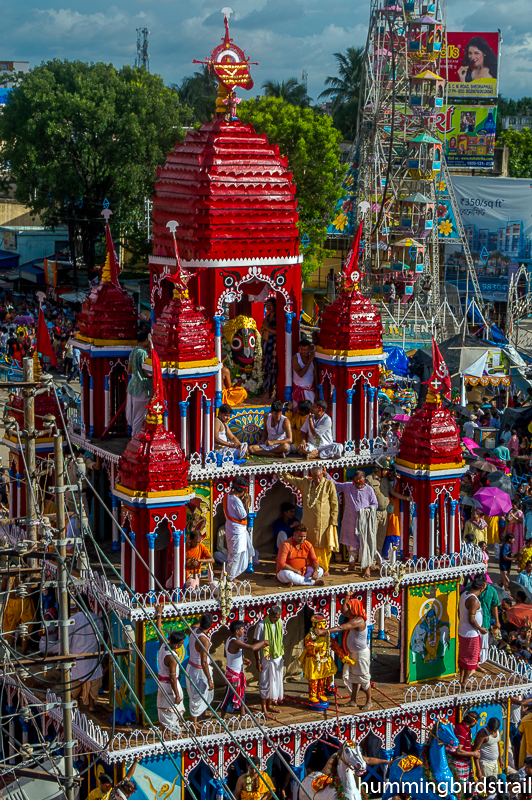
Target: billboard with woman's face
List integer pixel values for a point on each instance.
(470, 64)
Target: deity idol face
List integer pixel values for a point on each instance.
(243, 348)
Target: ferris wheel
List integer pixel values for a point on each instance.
(402, 176)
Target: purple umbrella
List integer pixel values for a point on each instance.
(24, 319)
(494, 502)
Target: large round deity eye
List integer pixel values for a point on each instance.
(237, 343)
(251, 340)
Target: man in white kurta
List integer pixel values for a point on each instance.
(239, 549)
(317, 434)
(269, 660)
(200, 685)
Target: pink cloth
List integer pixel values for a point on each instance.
(517, 528)
(469, 651)
(513, 446)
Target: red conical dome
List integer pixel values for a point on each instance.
(232, 195)
(430, 440)
(108, 314)
(153, 462)
(183, 333)
(352, 325)
(45, 403)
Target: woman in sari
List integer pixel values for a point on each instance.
(268, 333)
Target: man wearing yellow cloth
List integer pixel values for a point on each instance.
(320, 512)
(231, 395)
(254, 784)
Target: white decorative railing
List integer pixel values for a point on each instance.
(469, 556)
(103, 591)
(360, 453)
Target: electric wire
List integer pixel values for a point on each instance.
(264, 731)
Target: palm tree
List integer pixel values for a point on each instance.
(291, 91)
(199, 91)
(344, 90)
(346, 87)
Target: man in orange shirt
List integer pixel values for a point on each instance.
(196, 554)
(297, 562)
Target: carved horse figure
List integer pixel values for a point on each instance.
(349, 763)
(406, 773)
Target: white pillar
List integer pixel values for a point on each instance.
(413, 511)
(123, 557)
(106, 412)
(289, 316)
(365, 429)
(183, 409)
(133, 562)
(82, 404)
(176, 537)
(151, 561)
(334, 430)
(207, 422)
(369, 402)
(218, 352)
(11, 494)
(91, 407)
(463, 397)
(349, 426)
(432, 530)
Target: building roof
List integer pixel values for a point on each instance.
(351, 323)
(108, 314)
(231, 193)
(431, 439)
(183, 334)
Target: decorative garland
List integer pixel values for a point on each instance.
(338, 786)
(319, 490)
(428, 773)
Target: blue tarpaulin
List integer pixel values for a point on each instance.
(397, 361)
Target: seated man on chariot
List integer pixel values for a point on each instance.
(276, 434)
(225, 441)
(316, 434)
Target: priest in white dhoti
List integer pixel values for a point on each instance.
(269, 660)
(200, 685)
(239, 548)
(316, 434)
(170, 706)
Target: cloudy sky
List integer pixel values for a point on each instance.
(284, 36)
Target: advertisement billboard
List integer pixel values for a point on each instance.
(470, 64)
(469, 135)
(497, 218)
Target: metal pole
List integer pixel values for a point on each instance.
(29, 428)
(64, 615)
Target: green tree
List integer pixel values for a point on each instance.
(74, 134)
(291, 91)
(310, 142)
(344, 90)
(199, 92)
(512, 108)
(519, 144)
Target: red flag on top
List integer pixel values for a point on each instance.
(157, 403)
(352, 273)
(44, 345)
(112, 259)
(440, 380)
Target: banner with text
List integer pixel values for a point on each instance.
(497, 217)
(469, 135)
(470, 64)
